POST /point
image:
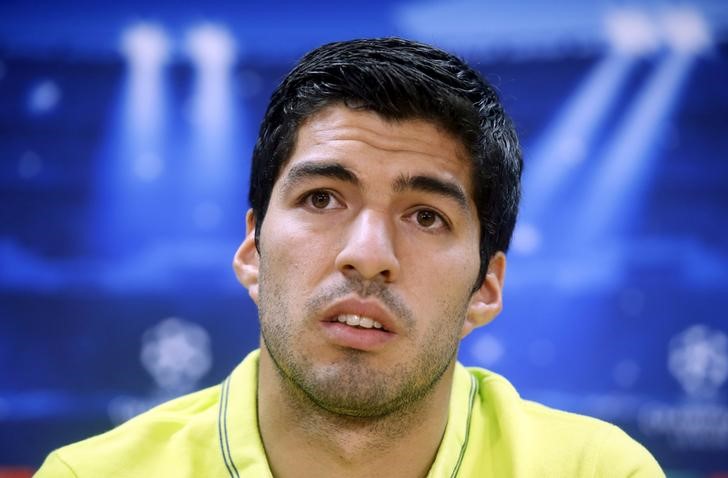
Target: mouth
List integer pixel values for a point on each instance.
(362, 314)
(359, 321)
(358, 324)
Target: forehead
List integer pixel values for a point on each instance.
(363, 139)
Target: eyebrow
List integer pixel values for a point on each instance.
(430, 184)
(303, 171)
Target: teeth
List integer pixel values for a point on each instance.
(358, 321)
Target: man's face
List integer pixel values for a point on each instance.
(368, 254)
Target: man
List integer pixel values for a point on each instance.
(384, 191)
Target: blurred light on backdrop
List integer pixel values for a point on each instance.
(569, 139)
(43, 97)
(130, 191)
(526, 238)
(211, 47)
(214, 174)
(147, 50)
(146, 46)
(631, 32)
(621, 170)
(213, 52)
(145, 116)
(685, 30)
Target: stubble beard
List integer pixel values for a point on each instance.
(352, 387)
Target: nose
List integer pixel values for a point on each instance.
(369, 251)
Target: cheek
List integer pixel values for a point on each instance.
(451, 268)
(293, 251)
(441, 290)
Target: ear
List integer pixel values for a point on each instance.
(246, 261)
(487, 302)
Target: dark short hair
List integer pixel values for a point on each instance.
(399, 79)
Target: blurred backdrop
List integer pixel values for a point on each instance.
(125, 138)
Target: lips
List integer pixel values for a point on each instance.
(366, 314)
(360, 325)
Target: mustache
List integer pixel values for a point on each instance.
(364, 289)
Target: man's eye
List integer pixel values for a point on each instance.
(426, 218)
(321, 200)
(429, 219)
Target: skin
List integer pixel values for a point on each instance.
(347, 222)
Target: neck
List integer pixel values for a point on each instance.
(303, 439)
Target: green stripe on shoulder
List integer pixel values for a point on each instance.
(471, 402)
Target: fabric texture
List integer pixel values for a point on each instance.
(491, 432)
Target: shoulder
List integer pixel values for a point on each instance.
(551, 442)
(154, 440)
(182, 437)
(589, 443)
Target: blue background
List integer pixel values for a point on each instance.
(123, 191)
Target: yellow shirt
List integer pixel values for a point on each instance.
(491, 432)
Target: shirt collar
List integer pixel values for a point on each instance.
(239, 435)
(242, 448)
(457, 431)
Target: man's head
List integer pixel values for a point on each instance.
(398, 80)
(384, 191)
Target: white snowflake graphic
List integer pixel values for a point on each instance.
(176, 353)
(698, 359)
